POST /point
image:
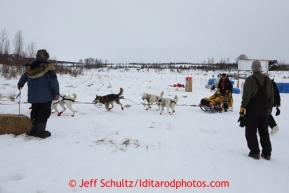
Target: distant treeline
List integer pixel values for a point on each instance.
(12, 66)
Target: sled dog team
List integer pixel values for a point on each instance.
(161, 102)
(109, 99)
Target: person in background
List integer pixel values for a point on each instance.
(43, 87)
(216, 82)
(277, 103)
(257, 100)
(225, 88)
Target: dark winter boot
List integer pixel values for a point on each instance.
(41, 132)
(33, 128)
(267, 157)
(255, 156)
(225, 107)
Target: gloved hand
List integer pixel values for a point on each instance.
(242, 121)
(56, 97)
(242, 118)
(19, 88)
(278, 111)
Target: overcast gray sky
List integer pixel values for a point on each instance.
(123, 31)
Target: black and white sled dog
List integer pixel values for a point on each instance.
(109, 99)
(169, 103)
(150, 98)
(64, 100)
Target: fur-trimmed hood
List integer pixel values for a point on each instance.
(39, 70)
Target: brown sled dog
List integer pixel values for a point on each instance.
(109, 99)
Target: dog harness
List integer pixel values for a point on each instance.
(172, 101)
(63, 99)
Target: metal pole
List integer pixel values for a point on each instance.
(19, 101)
(238, 78)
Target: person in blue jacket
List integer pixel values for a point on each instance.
(43, 87)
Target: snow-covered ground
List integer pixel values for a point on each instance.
(136, 147)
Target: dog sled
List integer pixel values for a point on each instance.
(215, 103)
(212, 109)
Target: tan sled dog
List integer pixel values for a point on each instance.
(64, 100)
(169, 103)
(150, 98)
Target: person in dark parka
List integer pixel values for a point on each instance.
(43, 87)
(257, 100)
(277, 103)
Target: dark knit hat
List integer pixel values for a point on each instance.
(256, 66)
(42, 54)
